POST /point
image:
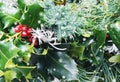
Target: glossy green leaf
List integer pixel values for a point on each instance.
(77, 50)
(9, 16)
(31, 18)
(115, 58)
(7, 51)
(115, 33)
(40, 62)
(95, 47)
(25, 70)
(61, 65)
(21, 4)
(23, 14)
(10, 75)
(25, 48)
(26, 58)
(17, 72)
(9, 64)
(100, 37)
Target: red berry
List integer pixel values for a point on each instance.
(107, 35)
(18, 28)
(30, 39)
(24, 34)
(29, 31)
(24, 28)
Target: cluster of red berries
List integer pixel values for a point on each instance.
(26, 32)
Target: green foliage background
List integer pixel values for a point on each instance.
(88, 28)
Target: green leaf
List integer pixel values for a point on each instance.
(10, 64)
(86, 34)
(1, 34)
(31, 18)
(25, 70)
(7, 51)
(100, 37)
(95, 47)
(26, 58)
(40, 62)
(94, 53)
(115, 58)
(21, 4)
(10, 75)
(1, 73)
(25, 48)
(77, 50)
(114, 31)
(61, 65)
(9, 15)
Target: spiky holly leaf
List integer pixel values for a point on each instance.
(25, 48)
(9, 75)
(17, 72)
(7, 51)
(61, 65)
(22, 14)
(32, 16)
(9, 15)
(25, 70)
(21, 4)
(39, 61)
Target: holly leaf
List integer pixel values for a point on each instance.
(30, 18)
(100, 37)
(114, 31)
(9, 15)
(17, 72)
(21, 4)
(25, 48)
(22, 14)
(7, 51)
(77, 50)
(41, 70)
(25, 70)
(10, 75)
(115, 58)
(61, 65)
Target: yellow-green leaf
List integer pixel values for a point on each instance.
(1, 73)
(9, 64)
(10, 75)
(115, 58)
(25, 70)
